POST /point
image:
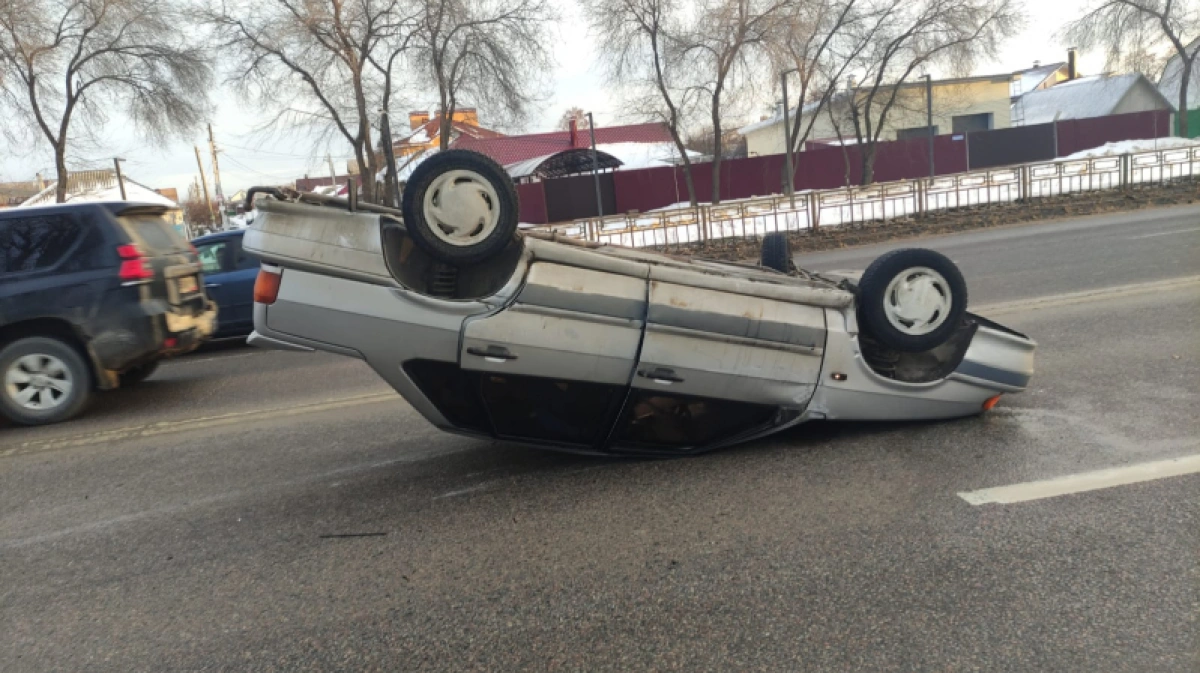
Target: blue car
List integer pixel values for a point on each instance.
(229, 274)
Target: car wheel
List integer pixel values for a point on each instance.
(911, 300)
(776, 252)
(44, 381)
(136, 375)
(460, 207)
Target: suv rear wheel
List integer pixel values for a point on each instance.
(42, 380)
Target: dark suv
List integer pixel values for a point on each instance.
(92, 296)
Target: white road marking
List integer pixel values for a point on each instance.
(1165, 233)
(1065, 299)
(1084, 481)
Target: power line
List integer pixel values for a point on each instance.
(282, 154)
(252, 170)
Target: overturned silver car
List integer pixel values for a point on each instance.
(609, 350)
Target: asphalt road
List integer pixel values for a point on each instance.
(250, 510)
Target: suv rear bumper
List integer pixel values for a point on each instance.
(149, 331)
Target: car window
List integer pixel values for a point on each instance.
(154, 233)
(212, 256)
(653, 419)
(553, 410)
(241, 258)
(30, 243)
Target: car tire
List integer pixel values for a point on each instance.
(134, 376)
(912, 299)
(776, 252)
(53, 369)
(460, 207)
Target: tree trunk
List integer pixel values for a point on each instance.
(60, 166)
(1183, 90)
(687, 167)
(868, 164)
(717, 151)
(691, 184)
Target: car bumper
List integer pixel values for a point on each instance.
(150, 331)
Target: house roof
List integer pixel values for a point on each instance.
(1028, 80)
(1172, 77)
(1094, 96)
(512, 149)
(564, 162)
(430, 130)
(99, 186)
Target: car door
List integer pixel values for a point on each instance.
(216, 264)
(716, 365)
(238, 284)
(555, 365)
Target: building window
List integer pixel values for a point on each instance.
(915, 132)
(975, 122)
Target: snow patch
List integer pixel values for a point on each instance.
(1132, 147)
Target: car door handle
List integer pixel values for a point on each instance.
(212, 285)
(661, 375)
(492, 353)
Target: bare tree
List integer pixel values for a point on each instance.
(196, 211)
(914, 35)
(724, 43)
(1135, 35)
(644, 58)
(67, 65)
(574, 113)
(819, 41)
(324, 63)
(486, 50)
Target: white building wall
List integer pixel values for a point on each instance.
(949, 100)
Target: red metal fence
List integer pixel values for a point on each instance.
(829, 167)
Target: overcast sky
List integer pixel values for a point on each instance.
(247, 160)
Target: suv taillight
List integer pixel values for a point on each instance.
(134, 266)
(266, 286)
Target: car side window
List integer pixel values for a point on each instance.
(241, 258)
(32, 243)
(657, 420)
(212, 257)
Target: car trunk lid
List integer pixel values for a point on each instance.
(161, 260)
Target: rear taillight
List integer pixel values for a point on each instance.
(266, 286)
(134, 266)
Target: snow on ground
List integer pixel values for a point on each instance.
(1133, 146)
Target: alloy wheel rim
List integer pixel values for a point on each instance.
(917, 301)
(38, 382)
(461, 207)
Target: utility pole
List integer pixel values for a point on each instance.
(212, 146)
(789, 185)
(204, 185)
(120, 178)
(929, 120)
(332, 173)
(595, 165)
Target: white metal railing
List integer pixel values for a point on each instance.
(883, 201)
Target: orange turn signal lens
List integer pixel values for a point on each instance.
(266, 286)
(990, 402)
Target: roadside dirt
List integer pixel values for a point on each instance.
(959, 219)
